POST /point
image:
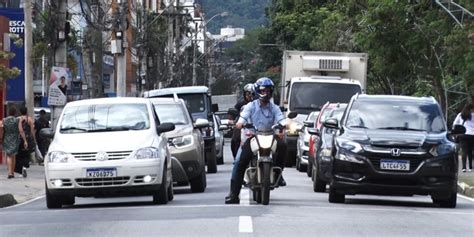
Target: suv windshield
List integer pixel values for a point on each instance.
(171, 113)
(307, 96)
(105, 117)
(396, 116)
(194, 102)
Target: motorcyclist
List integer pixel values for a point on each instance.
(247, 97)
(264, 114)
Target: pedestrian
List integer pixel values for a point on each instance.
(40, 123)
(466, 140)
(11, 139)
(28, 141)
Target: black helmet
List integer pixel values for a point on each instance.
(264, 83)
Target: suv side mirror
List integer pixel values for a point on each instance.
(165, 127)
(201, 123)
(314, 131)
(331, 123)
(215, 108)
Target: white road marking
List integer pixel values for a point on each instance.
(26, 202)
(245, 197)
(245, 224)
(466, 197)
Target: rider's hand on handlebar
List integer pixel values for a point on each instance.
(281, 135)
(238, 125)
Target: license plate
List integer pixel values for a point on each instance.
(395, 165)
(101, 172)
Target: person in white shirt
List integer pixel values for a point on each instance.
(466, 140)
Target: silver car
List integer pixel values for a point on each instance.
(302, 144)
(219, 128)
(185, 143)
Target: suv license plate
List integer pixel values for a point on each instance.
(395, 165)
(101, 172)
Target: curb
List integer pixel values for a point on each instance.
(7, 200)
(465, 189)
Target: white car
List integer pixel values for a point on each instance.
(302, 144)
(219, 135)
(108, 147)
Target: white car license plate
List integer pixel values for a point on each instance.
(101, 172)
(395, 165)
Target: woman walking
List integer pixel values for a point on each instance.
(28, 142)
(11, 140)
(466, 140)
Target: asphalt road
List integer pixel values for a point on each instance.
(294, 210)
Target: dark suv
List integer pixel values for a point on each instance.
(393, 145)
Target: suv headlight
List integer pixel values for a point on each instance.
(348, 157)
(147, 153)
(348, 145)
(442, 149)
(180, 142)
(59, 157)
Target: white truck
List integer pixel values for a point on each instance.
(312, 78)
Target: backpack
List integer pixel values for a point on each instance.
(29, 137)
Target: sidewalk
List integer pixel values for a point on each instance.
(19, 189)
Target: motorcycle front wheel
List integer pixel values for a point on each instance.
(265, 190)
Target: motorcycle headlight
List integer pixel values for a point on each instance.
(59, 157)
(180, 142)
(349, 145)
(442, 149)
(147, 153)
(293, 127)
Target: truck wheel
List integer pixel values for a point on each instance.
(211, 161)
(199, 183)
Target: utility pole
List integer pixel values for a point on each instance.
(194, 54)
(171, 41)
(97, 82)
(29, 95)
(60, 55)
(121, 56)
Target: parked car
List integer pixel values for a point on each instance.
(302, 144)
(219, 128)
(393, 145)
(185, 143)
(108, 147)
(321, 147)
(198, 101)
(314, 139)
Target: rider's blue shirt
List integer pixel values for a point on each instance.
(262, 116)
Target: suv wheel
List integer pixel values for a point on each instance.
(319, 185)
(449, 202)
(211, 160)
(335, 197)
(199, 183)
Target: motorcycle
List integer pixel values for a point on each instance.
(261, 175)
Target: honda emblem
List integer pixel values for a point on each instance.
(395, 152)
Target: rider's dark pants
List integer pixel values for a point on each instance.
(235, 142)
(247, 155)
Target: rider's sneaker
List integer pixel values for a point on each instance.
(232, 199)
(281, 182)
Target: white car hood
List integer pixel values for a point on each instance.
(102, 141)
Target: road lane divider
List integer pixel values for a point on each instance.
(245, 224)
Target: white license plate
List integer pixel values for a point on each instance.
(395, 165)
(101, 172)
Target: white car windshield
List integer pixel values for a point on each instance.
(105, 117)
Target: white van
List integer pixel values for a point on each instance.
(108, 147)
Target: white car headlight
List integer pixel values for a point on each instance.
(147, 153)
(58, 157)
(349, 145)
(180, 142)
